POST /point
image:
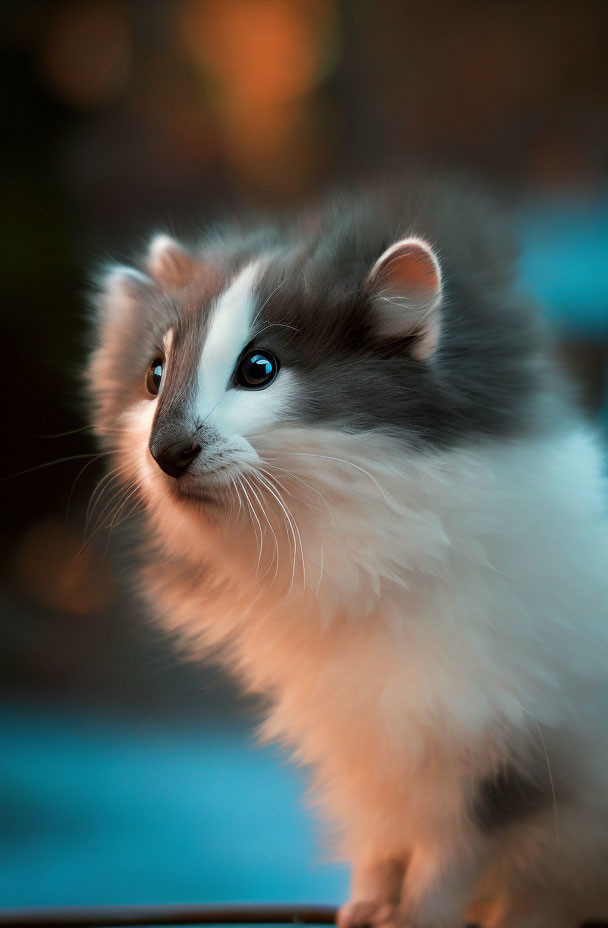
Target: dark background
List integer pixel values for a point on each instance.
(122, 118)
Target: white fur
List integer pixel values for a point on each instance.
(444, 606)
(228, 334)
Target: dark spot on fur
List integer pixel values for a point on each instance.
(508, 797)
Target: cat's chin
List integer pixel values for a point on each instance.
(192, 492)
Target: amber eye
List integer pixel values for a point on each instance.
(257, 369)
(154, 376)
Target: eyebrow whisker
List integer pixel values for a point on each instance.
(269, 297)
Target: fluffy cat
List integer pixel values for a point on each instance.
(366, 487)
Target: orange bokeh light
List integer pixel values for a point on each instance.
(261, 50)
(262, 61)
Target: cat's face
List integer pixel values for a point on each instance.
(205, 365)
(213, 366)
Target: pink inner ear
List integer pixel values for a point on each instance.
(405, 284)
(410, 270)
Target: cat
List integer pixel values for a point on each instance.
(368, 489)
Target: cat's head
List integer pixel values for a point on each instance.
(213, 363)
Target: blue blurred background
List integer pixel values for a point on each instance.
(125, 776)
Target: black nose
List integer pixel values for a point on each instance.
(175, 458)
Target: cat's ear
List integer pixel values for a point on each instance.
(405, 288)
(119, 290)
(169, 263)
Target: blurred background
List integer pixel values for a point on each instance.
(126, 776)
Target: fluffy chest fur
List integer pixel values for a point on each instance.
(443, 608)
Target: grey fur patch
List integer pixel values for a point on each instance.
(508, 797)
(318, 320)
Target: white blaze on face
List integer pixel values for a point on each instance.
(227, 336)
(232, 410)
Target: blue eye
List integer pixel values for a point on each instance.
(257, 369)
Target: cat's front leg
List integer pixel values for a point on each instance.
(440, 882)
(375, 894)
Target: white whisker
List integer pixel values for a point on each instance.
(254, 516)
(77, 478)
(104, 484)
(294, 527)
(310, 454)
(269, 297)
(322, 568)
(299, 479)
(288, 523)
(300, 499)
(116, 494)
(276, 542)
(542, 741)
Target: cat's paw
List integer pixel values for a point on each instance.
(368, 915)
